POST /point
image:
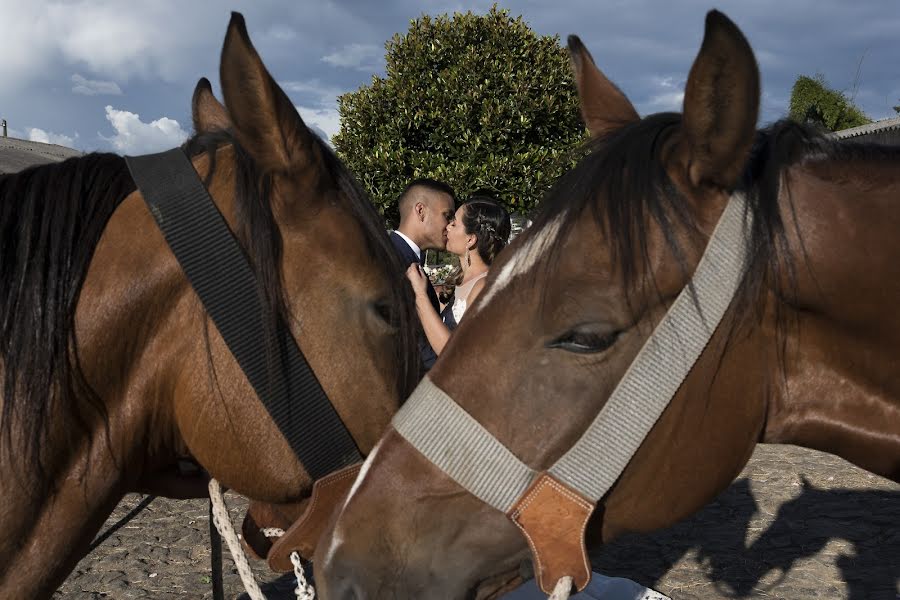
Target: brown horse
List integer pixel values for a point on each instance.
(806, 353)
(112, 369)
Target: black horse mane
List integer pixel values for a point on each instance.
(51, 219)
(622, 185)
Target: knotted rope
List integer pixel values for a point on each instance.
(563, 589)
(222, 521)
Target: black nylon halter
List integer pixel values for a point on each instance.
(218, 270)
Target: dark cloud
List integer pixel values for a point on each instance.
(155, 52)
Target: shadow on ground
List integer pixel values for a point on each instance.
(742, 560)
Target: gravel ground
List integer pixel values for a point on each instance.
(796, 524)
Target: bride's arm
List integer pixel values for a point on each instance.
(435, 330)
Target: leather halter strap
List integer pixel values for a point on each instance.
(461, 447)
(217, 268)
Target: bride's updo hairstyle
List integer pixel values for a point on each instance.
(484, 218)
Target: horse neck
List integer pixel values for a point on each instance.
(135, 323)
(840, 392)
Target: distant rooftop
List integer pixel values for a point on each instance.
(16, 154)
(869, 128)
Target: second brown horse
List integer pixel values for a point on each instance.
(807, 353)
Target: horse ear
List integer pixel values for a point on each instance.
(264, 118)
(721, 105)
(208, 113)
(604, 107)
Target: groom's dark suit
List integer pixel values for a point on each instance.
(408, 256)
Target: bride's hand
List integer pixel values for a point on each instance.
(418, 279)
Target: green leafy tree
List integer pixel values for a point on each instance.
(812, 101)
(478, 101)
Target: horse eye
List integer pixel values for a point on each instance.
(382, 308)
(585, 341)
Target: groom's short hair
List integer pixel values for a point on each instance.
(407, 197)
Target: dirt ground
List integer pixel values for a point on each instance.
(796, 524)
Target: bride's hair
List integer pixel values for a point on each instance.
(488, 221)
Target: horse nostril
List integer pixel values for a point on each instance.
(336, 582)
(346, 590)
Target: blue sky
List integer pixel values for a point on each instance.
(118, 76)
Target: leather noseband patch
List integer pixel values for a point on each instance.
(553, 518)
(304, 534)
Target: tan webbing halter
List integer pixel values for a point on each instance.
(552, 508)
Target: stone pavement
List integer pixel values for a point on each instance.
(795, 524)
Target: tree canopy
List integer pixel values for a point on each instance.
(812, 101)
(478, 101)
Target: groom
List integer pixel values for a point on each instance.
(426, 207)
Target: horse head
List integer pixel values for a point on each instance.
(571, 303)
(159, 381)
(323, 265)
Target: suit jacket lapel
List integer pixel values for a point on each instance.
(407, 253)
(409, 257)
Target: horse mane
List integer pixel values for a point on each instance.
(51, 219)
(622, 185)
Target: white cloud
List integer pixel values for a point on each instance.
(92, 87)
(362, 57)
(48, 137)
(281, 33)
(318, 107)
(325, 121)
(320, 92)
(26, 44)
(133, 136)
(114, 41)
(667, 95)
(107, 41)
(769, 60)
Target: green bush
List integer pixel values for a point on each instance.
(478, 101)
(812, 101)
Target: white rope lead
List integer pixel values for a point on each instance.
(226, 529)
(222, 521)
(563, 589)
(272, 531)
(304, 590)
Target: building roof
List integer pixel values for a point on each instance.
(869, 128)
(16, 154)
